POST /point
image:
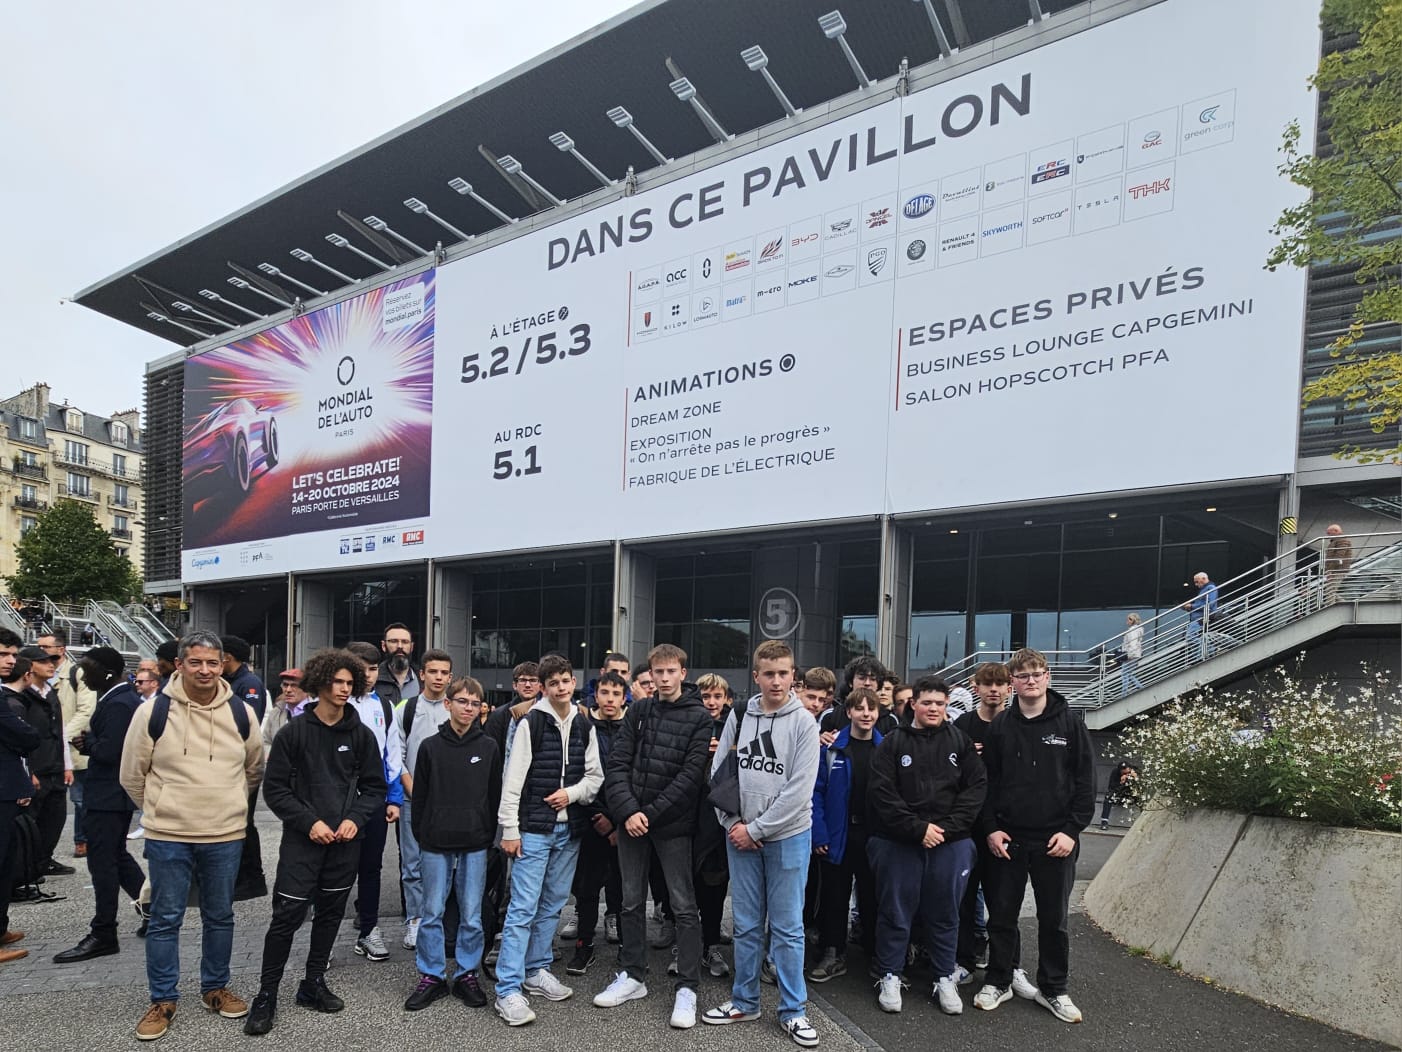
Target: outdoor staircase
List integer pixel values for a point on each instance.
(1272, 610)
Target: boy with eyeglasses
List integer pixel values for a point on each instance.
(456, 790)
(1041, 795)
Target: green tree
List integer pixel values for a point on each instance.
(1350, 219)
(68, 556)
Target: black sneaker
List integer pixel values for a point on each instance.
(314, 993)
(58, 869)
(582, 959)
(261, 1015)
(469, 991)
(430, 989)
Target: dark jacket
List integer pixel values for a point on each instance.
(605, 734)
(17, 740)
(832, 795)
(387, 687)
(1041, 772)
(248, 688)
(497, 727)
(924, 775)
(658, 764)
(45, 716)
(457, 787)
(102, 744)
(317, 772)
(553, 768)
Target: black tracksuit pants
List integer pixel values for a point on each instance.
(1005, 883)
(308, 875)
(597, 870)
(835, 896)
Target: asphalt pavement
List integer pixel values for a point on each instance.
(1129, 1002)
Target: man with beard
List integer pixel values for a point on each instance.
(397, 679)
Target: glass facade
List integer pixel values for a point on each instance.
(361, 609)
(1068, 585)
(704, 607)
(521, 612)
(858, 593)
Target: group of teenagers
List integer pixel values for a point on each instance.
(786, 798)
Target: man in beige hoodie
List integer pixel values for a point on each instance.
(191, 758)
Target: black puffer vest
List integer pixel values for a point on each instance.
(549, 771)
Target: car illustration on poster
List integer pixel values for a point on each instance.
(235, 439)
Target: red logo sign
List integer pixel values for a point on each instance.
(412, 537)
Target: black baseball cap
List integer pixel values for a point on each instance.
(34, 653)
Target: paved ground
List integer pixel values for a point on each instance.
(1129, 1003)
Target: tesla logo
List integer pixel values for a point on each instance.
(345, 370)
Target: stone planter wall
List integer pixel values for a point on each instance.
(1299, 915)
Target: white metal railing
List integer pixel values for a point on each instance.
(1250, 606)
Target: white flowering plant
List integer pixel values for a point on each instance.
(1288, 749)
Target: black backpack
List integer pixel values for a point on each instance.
(160, 714)
(26, 848)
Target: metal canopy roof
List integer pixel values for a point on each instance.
(629, 62)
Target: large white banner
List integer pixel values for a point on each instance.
(1042, 278)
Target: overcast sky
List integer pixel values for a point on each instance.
(127, 126)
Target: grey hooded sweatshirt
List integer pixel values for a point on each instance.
(778, 760)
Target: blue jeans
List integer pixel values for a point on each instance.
(466, 873)
(540, 886)
(171, 866)
(770, 881)
(410, 866)
(1127, 677)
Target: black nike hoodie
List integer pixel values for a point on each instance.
(1041, 772)
(457, 789)
(320, 772)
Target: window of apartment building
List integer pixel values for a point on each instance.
(119, 496)
(27, 523)
(29, 458)
(28, 428)
(73, 420)
(75, 452)
(122, 552)
(119, 462)
(79, 485)
(120, 433)
(120, 525)
(28, 496)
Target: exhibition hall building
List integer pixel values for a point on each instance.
(921, 329)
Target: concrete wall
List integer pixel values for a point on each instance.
(1298, 915)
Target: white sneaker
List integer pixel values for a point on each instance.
(684, 1009)
(1060, 1006)
(544, 983)
(411, 933)
(802, 1032)
(1023, 986)
(515, 1010)
(990, 997)
(889, 995)
(728, 1013)
(372, 946)
(569, 931)
(962, 976)
(947, 994)
(623, 988)
(137, 833)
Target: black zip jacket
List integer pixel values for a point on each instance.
(17, 740)
(102, 744)
(658, 763)
(605, 734)
(45, 716)
(249, 688)
(457, 788)
(324, 773)
(1041, 773)
(924, 775)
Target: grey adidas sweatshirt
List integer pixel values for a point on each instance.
(778, 761)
